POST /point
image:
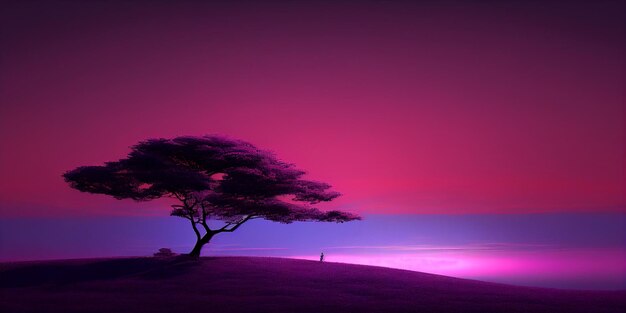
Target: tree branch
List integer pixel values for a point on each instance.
(193, 204)
(204, 223)
(232, 229)
(190, 216)
(195, 228)
(179, 197)
(224, 227)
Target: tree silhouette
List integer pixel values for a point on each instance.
(211, 177)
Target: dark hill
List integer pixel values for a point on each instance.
(245, 284)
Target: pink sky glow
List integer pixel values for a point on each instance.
(404, 108)
(533, 268)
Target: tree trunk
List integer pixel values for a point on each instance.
(195, 252)
(197, 248)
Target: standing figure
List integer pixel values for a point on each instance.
(322, 257)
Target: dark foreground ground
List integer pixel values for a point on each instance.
(244, 284)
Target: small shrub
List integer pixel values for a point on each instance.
(164, 253)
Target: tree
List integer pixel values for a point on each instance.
(211, 177)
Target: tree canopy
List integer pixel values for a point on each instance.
(211, 177)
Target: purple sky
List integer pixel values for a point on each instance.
(485, 110)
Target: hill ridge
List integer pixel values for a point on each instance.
(267, 284)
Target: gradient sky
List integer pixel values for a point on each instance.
(497, 108)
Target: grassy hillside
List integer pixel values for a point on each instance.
(245, 284)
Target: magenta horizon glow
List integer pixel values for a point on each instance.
(530, 268)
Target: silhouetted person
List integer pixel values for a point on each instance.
(322, 257)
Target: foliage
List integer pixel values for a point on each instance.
(212, 177)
